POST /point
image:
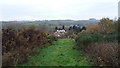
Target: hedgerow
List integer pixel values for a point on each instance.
(102, 48)
(17, 45)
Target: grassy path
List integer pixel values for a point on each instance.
(60, 53)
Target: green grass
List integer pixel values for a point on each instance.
(60, 53)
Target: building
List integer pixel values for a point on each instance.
(59, 33)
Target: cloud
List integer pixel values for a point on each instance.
(57, 9)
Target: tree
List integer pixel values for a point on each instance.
(56, 28)
(105, 25)
(70, 28)
(63, 27)
(92, 28)
(83, 28)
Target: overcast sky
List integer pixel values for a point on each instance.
(57, 9)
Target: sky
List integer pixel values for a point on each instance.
(119, 9)
(57, 9)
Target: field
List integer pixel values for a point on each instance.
(60, 53)
(61, 45)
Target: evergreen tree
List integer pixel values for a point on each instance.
(56, 28)
(63, 27)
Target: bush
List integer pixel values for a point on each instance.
(102, 48)
(84, 39)
(104, 53)
(18, 45)
(110, 37)
(51, 38)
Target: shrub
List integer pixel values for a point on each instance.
(104, 53)
(84, 39)
(102, 48)
(110, 37)
(51, 38)
(17, 45)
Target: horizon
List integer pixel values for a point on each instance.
(62, 19)
(24, 10)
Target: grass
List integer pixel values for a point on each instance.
(60, 53)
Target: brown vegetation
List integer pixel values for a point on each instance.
(18, 45)
(105, 54)
(100, 42)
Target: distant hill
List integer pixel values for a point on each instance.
(92, 19)
(69, 22)
(54, 22)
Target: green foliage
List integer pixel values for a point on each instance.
(51, 38)
(110, 37)
(33, 26)
(60, 53)
(76, 28)
(102, 45)
(87, 37)
(102, 48)
(84, 39)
